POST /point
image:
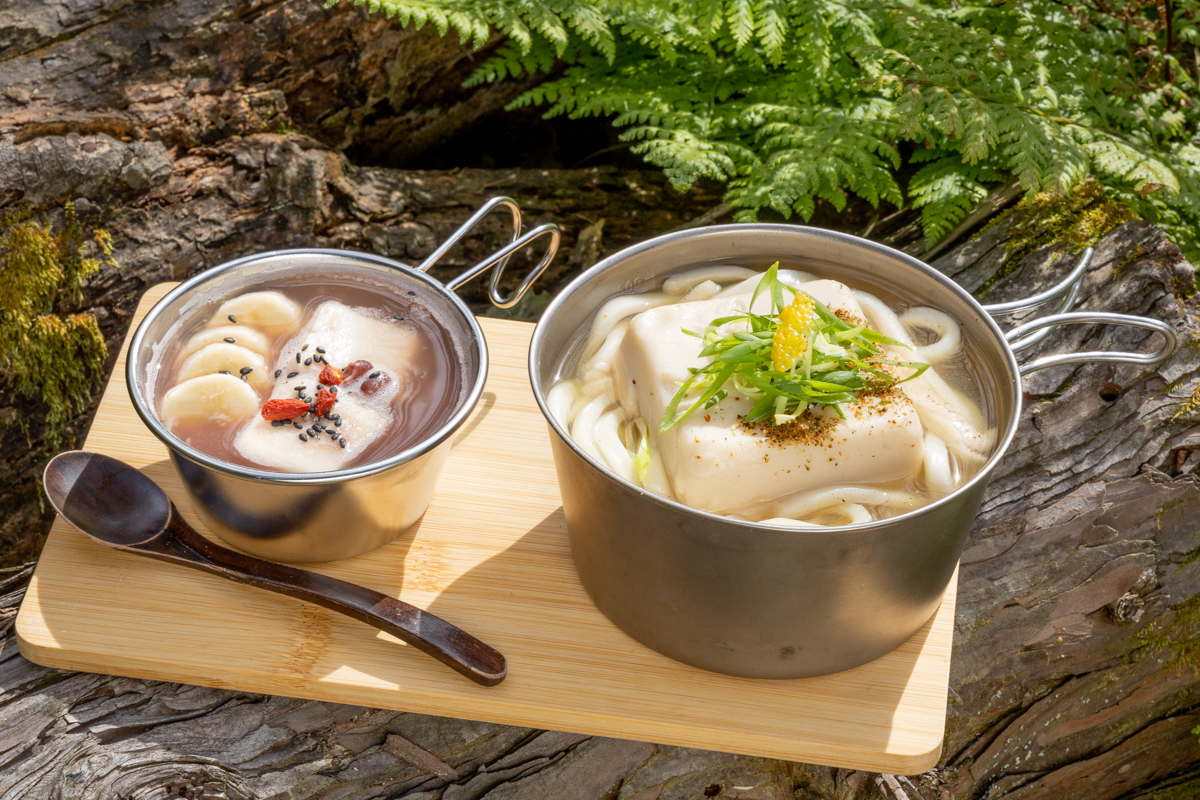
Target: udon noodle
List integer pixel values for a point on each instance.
(876, 461)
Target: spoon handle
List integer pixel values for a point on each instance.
(452, 646)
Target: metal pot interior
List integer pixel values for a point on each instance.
(179, 309)
(849, 259)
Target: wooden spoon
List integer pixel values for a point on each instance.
(118, 506)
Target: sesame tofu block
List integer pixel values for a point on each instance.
(349, 334)
(281, 447)
(718, 464)
(346, 335)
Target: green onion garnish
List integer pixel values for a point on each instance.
(799, 355)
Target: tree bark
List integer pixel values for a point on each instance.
(1073, 670)
(201, 130)
(194, 72)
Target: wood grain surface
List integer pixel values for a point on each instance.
(490, 555)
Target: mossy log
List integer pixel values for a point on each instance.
(1075, 655)
(199, 131)
(194, 72)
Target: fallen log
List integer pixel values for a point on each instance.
(195, 72)
(1074, 671)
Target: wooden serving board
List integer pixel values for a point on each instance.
(490, 555)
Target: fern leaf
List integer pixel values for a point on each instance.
(740, 16)
(946, 190)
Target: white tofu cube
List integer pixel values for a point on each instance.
(347, 335)
(715, 462)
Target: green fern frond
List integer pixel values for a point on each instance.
(798, 101)
(946, 190)
(740, 16)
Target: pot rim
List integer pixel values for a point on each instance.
(984, 474)
(178, 446)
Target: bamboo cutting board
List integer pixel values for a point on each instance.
(491, 556)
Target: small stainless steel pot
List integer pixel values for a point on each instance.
(328, 515)
(762, 601)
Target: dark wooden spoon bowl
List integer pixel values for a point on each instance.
(115, 505)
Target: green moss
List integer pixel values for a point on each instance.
(1070, 221)
(1189, 405)
(1181, 638)
(45, 353)
(1119, 733)
(1183, 788)
(1133, 255)
(336, 119)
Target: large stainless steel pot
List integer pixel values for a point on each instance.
(328, 515)
(762, 601)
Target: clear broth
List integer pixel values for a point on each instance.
(967, 371)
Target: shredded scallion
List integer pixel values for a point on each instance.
(801, 354)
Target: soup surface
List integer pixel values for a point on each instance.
(779, 396)
(311, 373)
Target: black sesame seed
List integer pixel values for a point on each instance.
(245, 379)
(342, 442)
(321, 350)
(334, 390)
(300, 395)
(308, 362)
(301, 387)
(292, 375)
(338, 422)
(233, 319)
(319, 426)
(246, 370)
(230, 339)
(319, 387)
(224, 372)
(412, 294)
(397, 316)
(278, 372)
(297, 358)
(304, 348)
(297, 425)
(374, 374)
(277, 423)
(303, 438)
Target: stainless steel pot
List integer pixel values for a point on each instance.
(762, 601)
(329, 515)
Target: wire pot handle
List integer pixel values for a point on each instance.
(1069, 286)
(499, 259)
(1030, 333)
(1054, 320)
